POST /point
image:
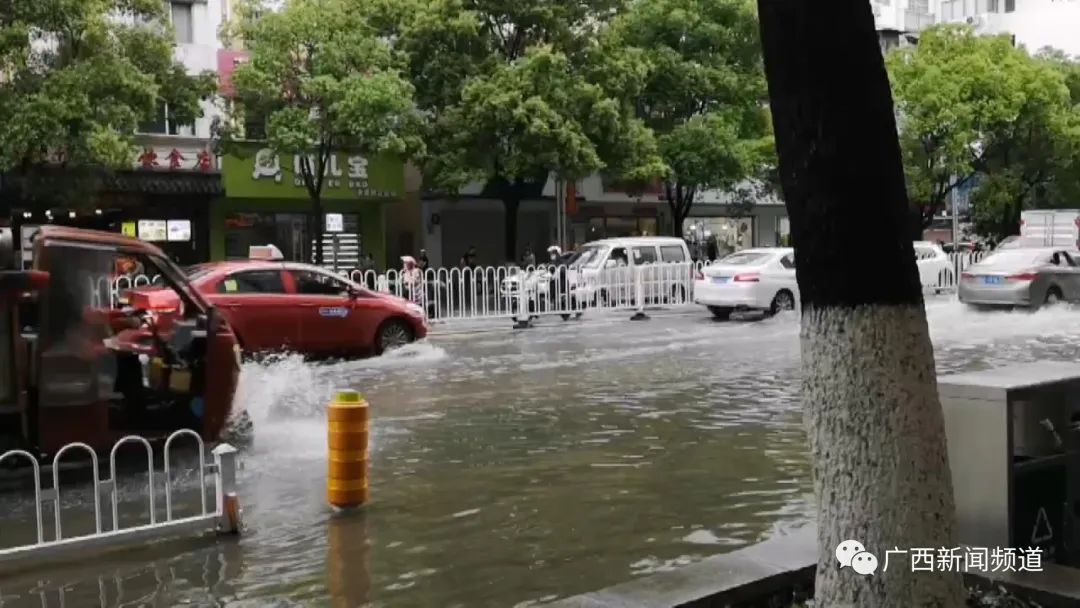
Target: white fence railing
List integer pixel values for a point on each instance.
(224, 517)
(492, 292)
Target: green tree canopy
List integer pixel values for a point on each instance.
(78, 78)
(975, 107)
(323, 79)
(703, 94)
(520, 90)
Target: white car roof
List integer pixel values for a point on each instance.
(638, 240)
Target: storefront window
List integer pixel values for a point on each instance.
(621, 227)
(613, 227)
(289, 233)
(715, 237)
(596, 229)
(783, 232)
(244, 230)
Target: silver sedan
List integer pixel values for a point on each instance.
(1023, 277)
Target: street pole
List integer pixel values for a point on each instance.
(955, 235)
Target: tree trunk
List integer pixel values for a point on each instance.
(873, 418)
(917, 224)
(318, 230)
(677, 223)
(680, 200)
(510, 221)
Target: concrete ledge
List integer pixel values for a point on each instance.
(1056, 586)
(770, 573)
(785, 561)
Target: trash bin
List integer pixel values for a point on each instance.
(1014, 455)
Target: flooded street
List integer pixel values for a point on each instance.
(512, 468)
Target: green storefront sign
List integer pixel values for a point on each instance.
(263, 174)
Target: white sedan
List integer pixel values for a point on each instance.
(752, 279)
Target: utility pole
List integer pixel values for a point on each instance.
(560, 212)
(955, 232)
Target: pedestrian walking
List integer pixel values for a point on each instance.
(412, 280)
(528, 258)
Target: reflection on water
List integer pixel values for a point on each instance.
(516, 468)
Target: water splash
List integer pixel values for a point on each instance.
(282, 389)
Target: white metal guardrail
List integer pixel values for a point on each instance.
(492, 292)
(224, 517)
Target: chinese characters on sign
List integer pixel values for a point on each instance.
(176, 159)
(353, 176)
(158, 158)
(928, 559)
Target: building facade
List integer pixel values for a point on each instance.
(174, 178)
(596, 208)
(1034, 23)
(266, 202)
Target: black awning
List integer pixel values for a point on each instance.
(160, 182)
(59, 186)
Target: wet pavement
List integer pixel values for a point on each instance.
(509, 469)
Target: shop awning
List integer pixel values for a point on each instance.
(158, 182)
(53, 185)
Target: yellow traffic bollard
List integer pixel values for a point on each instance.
(346, 480)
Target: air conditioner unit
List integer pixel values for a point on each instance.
(975, 21)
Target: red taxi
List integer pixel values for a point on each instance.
(274, 305)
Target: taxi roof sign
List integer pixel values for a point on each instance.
(265, 252)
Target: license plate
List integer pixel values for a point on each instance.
(992, 280)
(719, 279)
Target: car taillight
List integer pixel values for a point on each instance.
(966, 276)
(698, 275)
(749, 277)
(1022, 276)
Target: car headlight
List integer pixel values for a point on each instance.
(415, 309)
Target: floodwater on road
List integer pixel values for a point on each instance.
(509, 469)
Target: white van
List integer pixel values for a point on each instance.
(605, 272)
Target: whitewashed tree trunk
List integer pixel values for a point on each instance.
(878, 449)
(875, 425)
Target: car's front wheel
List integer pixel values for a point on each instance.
(392, 334)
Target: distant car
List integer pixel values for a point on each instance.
(1023, 277)
(933, 264)
(752, 279)
(275, 306)
(604, 273)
